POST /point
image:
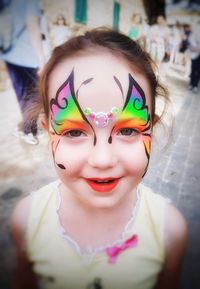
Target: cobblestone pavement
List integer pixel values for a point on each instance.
(174, 170)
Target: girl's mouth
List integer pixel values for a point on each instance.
(103, 185)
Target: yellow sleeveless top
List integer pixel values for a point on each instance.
(59, 263)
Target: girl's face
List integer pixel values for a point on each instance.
(100, 127)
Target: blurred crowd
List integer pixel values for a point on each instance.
(177, 43)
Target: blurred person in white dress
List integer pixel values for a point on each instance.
(159, 34)
(60, 31)
(159, 44)
(175, 39)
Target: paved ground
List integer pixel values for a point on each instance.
(174, 170)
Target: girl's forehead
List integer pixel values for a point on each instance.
(100, 81)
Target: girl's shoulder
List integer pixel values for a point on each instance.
(18, 221)
(151, 198)
(175, 235)
(174, 220)
(176, 240)
(176, 231)
(152, 211)
(21, 212)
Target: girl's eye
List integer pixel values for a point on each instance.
(127, 132)
(74, 133)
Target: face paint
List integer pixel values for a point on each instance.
(101, 119)
(135, 107)
(66, 114)
(55, 140)
(135, 114)
(65, 111)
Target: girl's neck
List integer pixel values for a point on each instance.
(95, 227)
(86, 210)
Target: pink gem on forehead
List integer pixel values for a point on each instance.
(101, 119)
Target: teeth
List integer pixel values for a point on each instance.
(100, 182)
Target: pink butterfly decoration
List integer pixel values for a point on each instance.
(114, 251)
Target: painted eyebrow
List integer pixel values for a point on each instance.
(91, 78)
(119, 85)
(83, 83)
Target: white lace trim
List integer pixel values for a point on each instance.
(90, 253)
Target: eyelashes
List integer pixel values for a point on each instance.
(128, 132)
(74, 133)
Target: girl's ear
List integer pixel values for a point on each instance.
(43, 122)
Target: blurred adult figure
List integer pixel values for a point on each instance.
(175, 42)
(194, 53)
(145, 35)
(24, 59)
(45, 31)
(159, 34)
(185, 43)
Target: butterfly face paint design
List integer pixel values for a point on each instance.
(65, 110)
(66, 114)
(135, 115)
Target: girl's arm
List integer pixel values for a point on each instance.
(176, 236)
(25, 277)
(33, 28)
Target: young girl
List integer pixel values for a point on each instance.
(97, 226)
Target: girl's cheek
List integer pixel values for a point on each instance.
(132, 156)
(70, 158)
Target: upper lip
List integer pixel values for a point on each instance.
(102, 179)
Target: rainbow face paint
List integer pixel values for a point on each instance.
(135, 114)
(66, 113)
(135, 108)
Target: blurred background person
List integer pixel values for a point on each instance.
(159, 44)
(159, 34)
(194, 53)
(24, 59)
(175, 39)
(60, 31)
(136, 27)
(145, 35)
(184, 57)
(45, 32)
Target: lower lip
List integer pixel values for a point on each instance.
(103, 187)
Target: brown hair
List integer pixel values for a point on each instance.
(115, 42)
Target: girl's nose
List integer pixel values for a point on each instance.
(102, 155)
